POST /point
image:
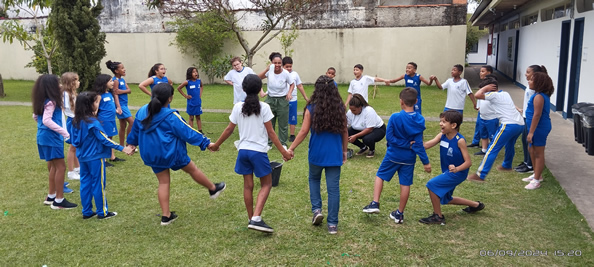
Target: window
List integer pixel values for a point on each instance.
(504, 27)
(584, 5)
(563, 10)
(474, 48)
(530, 19)
(514, 24)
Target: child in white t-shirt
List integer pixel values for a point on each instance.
(235, 77)
(458, 89)
(288, 66)
(360, 85)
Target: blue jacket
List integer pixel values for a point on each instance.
(91, 142)
(403, 128)
(163, 143)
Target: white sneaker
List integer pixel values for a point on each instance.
(77, 170)
(535, 184)
(529, 178)
(72, 175)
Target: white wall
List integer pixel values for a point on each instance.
(480, 57)
(505, 64)
(586, 92)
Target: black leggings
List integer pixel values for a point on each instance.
(371, 138)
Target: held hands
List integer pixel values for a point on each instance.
(432, 78)
(427, 167)
(129, 150)
(213, 147)
(288, 154)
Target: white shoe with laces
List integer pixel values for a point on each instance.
(72, 175)
(529, 178)
(534, 184)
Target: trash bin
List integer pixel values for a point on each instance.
(577, 121)
(276, 172)
(588, 126)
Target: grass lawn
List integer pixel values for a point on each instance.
(214, 232)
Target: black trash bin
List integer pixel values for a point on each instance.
(588, 126)
(578, 131)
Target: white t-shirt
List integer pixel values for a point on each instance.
(236, 77)
(67, 109)
(252, 133)
(368, 118)
(457, 92)
(485, 109)
(278, 84)
(527, 94)
(361, 86)
(297, 81)
(504, 107)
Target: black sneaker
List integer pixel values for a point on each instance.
(107, 164)
(89, 217)
(472, 145)
(332, 229)
(370, 154)
(168, 220)
(480, 153)
(64, 205)
(292, 138)
(520, 165)
(525, 169)
(107, 216)
(362, 151)
(116, 159)
(433, 219)
(373, 207)
(260, 226)
(218, 190)
(470, 209)
(318, 217)
(48, 200)
(397, 216)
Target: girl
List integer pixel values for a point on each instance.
(156, 76)
(253, 118)
(70, 84)
(526, 165)
(325, 117)
(121, 90)
(165, 132)
(365, 125)
(194, 96)
(537, 116)
(280, 87)
(47, 112)
(235, 78)
(108, 108)
(93, 146)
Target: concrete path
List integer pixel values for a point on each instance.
(565, 158)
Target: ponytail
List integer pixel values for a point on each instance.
(159, 98)
(252, 84)
(154, 69)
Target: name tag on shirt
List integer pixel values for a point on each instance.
(444, 144)
(159, 82)
(106, 99)
(192, 86)
(410, 81)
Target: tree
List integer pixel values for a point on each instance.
(81, 43)
(287, 38)
(473, 34)
(38, 38)
(277, 15)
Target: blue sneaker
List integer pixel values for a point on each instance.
(397, 216)
(66, 183)
(373, 207)
(67, 190)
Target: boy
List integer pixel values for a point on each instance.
(360, 85)
(485, 70)
(331, 72)
(455, 162)
(288, 65)
(458, 88)
(412, 79)
(235, 77)
(405, 141)
(487, 121)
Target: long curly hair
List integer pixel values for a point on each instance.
(328, 109)
(68, 82)
(542, 83)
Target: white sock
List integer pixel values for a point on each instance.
(51, 195)
(484, 150)
(256, 218)
(59, 200)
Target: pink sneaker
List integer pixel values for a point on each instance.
(534, 184)
(529, 178)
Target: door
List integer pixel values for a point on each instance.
(574, 68)
(563, 62)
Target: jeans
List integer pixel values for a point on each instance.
(371, 138)
(332, 186)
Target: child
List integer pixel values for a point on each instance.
(360, 85)
(108, 108)
(331, 72)
(156, 76)
(253, 120)
(93, 146)
(537, 116)
(325, 117)
(70, 84)
(458, 88)
(476, 139)
(487, 121)
(164, 134)
(288, 66)
(121, 89)
(413, 80)
(405, 141)
(194, 97)
(455, 162)
(47, 112)
(511, 126)
(526, 165)
(235, 78)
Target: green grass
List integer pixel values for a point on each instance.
(214, 232)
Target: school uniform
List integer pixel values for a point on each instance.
(510, 128)
(157, 80)
(444, 184)
(488, 120)
(528, 93)
(456, 95)
(293, 101)
(403, 128)
(123, 98)
(361, 86)
(368, 118)
(50, 133)
(415, 82)
(236, 77)
(92, 147)
(69, 114)
(543, 128)
(278, 88)
(194, 104)
(106, 114)
(163, 143)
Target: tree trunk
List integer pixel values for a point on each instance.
(1, 87)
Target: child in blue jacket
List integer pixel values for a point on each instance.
(162, 134)
(92, 147)
(405, 141)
